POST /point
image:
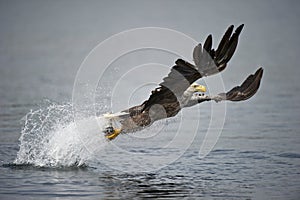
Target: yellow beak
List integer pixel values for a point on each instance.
(200, 88)
(114, 134)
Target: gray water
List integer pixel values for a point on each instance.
(42, 45)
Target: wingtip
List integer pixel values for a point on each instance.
(229, 29)
(259, 72)
(260, 69)
(208, 43)
(239, 29)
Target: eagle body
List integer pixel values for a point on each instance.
(178, 89)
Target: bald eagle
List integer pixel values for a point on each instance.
(178, 89)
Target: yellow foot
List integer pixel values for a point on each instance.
(111, 133)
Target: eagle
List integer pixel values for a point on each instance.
(179, 90)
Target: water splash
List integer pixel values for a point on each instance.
(52, 138)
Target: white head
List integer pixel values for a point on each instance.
(196, 88)
(187, 95)
(190, 91)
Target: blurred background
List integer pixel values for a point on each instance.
(43, 43)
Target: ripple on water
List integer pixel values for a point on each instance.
(289, 155)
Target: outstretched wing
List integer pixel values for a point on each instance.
(210, 61)
(239, 93)
(248, 88)
(207, 62)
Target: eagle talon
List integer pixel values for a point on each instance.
(111, 133)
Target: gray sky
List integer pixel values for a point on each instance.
(48, 40)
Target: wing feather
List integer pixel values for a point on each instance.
(246, 90)
(183, 74)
